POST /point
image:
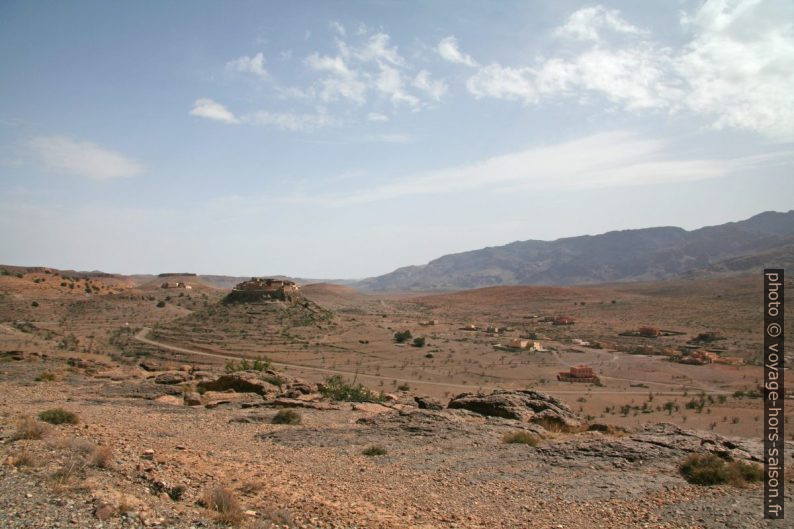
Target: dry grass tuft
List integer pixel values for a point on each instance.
(557, 426)
(71, 468)
(223, 501)
(710, 469)
(520, 437)
(274, 519)
(287, 417)
(29, 428)
(23, 458)
(250, 487)
(102, 457)
(374, 451)
(45, 376)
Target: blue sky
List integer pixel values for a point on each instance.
(345, 139)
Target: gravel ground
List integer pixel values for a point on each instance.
(441, 469)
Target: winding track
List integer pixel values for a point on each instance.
(141, 336)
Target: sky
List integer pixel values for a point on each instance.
(346, 139)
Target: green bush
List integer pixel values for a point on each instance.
(336, 388)
(160, 304)
(374, 451)
(521, 437)
(34, 304)
(287, 417)
(44, 376)
(419, 341)
(58, 416)
(710, 469)
(402, 336)
(262, 364)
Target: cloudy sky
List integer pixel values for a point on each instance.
(345, 139)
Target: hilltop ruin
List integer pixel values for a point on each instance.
(259, 289)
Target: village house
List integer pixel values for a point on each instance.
(580, 373)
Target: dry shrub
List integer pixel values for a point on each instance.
(23, 458)
(72, 467)
(58, 416)
(251, 487)
(520, 437)
(279, 517)
(176, 492)
(29, 428)
(287, 417)
(609, 429)
(45, 376)
(552, 424)
(102, 457)
(274, 519)
(223, 501)
(374, 451)
(710, 469)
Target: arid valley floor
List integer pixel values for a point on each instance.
(166, 415)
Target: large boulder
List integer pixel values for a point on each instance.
(428, 403)
(520, 405)
(171, 378)
(241, 382)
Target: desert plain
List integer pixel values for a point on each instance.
(172, 395)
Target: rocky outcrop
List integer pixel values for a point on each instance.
(428, 403)
(673, 437)
(145, 390)
(297, 388)
(242, 382)
(171, 378)
(520, 405)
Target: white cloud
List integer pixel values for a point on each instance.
(586, 24)
(82, 158)
(376, 116)
(602, 160)
(337, 27)
(342, 83)
(387, 138)
(435, 89)
(390, 83)
(636, 78)
(503, 82)
(449, 51)
(290, 121)
(367, 67)
(209, 109)
(253, 65)
(735, 70)
(376, 49)
(324, 63)
(739, 65)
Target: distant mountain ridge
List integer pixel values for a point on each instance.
(765, 240)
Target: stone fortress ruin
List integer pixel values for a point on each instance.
(259, 289)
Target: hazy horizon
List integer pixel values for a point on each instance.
(255, 274)
(344, 141)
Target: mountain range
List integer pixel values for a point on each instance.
(765, 240)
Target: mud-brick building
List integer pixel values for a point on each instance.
(580, 373)
(264, 289)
